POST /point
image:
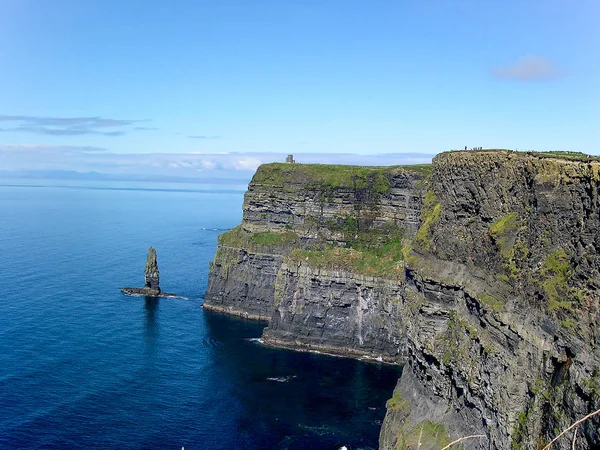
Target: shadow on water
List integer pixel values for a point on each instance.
(293, 400)
(150, 323)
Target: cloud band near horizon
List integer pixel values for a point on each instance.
(71, 126)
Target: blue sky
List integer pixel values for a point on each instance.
(296, 76)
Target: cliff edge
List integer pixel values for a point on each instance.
(479, 273)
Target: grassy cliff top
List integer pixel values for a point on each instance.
(559, 155)
(334, 175)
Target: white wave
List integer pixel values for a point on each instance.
(282, 379)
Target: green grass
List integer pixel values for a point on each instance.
(593, 384)
(571, 156)
(492, 303)
(555, 272)
(333, 175)
(430, 214)
(505, 233)
(237, 237)
(374, 252)
(426, 434)
(397, 402)
(556, 154)
(233, 238)
(369, 239)
(385, 263)
(274, 239)
(503, 225)
(421, 169)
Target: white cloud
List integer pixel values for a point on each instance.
(209, 165)
(240, 166)
(50, 148)
(529, 68)
(247, 164)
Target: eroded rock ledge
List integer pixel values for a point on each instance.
(482, 277)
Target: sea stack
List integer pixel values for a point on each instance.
(151, 279)
(151, 275)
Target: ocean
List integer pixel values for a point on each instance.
(84, 366)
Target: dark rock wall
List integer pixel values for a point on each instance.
(241, 283)
(242, 276)
(506, 268)
(337, 312)
(151, 273)
(496, 312)
(307, 208)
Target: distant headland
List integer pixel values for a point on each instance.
(151, 279)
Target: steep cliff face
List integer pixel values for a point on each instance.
(294, 207)
(505, 268)
(482, 278)
(241, 281)
(337, 311)
(317, 201)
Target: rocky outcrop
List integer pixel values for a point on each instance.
(337, 311)
(297, 206)
(151, 274)
(151, 279)
(506, 269)
(483, 279)
(241, 282)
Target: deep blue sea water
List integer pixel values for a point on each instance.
(83, 366)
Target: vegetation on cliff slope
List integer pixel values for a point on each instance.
(237, 237)
(361, 243)
(430, 214)
(555, 274)
(385, 262)
(376, 251)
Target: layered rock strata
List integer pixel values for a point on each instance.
(489, 295)
(337, 311)
(505, 268)
(306, 207)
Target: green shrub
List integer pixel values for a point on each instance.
(426, 434)
(430, 214)
(555, 273)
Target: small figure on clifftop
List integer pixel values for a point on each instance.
(151, 279)
(290, 159)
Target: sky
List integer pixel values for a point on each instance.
(135, 85)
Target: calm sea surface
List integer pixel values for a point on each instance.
(83, 366)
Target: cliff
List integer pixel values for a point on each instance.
(482, 278)
(506, 269)
(290, 208)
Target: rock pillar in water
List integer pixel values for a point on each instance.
(151, 274)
